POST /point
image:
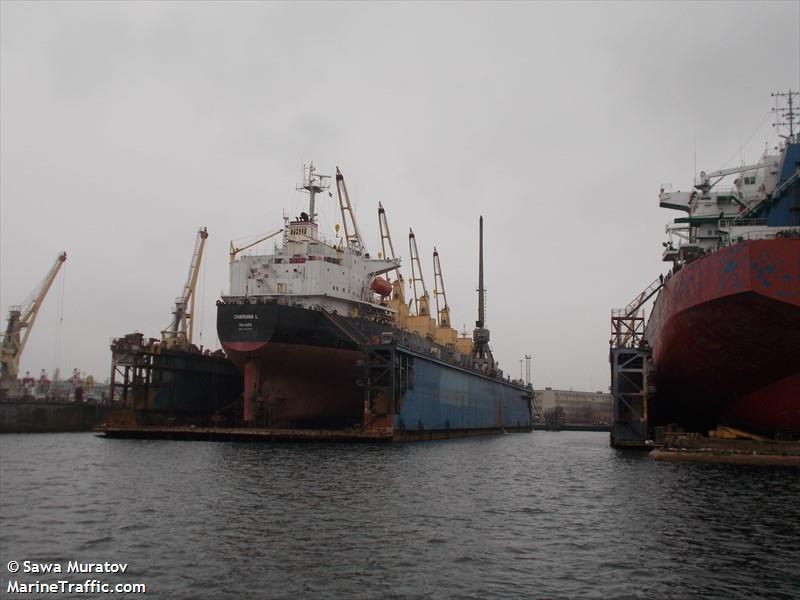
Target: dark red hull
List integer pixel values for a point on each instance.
(725, 333)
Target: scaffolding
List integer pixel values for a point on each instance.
(630, 358)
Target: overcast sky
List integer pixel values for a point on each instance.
(126, 126)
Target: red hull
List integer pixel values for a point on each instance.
(290, 385)
(725, 333)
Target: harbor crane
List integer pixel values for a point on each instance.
(421, 301)
(388, 253)
(20, 323)
(178, 335)
(443, 310)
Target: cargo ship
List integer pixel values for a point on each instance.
(725, 326)
(325, 340)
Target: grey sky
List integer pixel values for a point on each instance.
(125, 127)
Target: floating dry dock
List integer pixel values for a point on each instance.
(260, 434)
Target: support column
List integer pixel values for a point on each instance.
(252, 383)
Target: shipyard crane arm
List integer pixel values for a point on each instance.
(421, 304)
(179, 333)
(388, 252)
(20, 323)
(234, 250)
(351, 233)
(443, 310)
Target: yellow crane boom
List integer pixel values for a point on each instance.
(389, 254)
(179, 332)
(443, 310)
(20, 324)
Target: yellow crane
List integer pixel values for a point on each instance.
(178, 334)
(20, 323)
(442, 311)
(388, 253)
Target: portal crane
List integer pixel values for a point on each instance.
(443, 310)
(20, 324)
(351, 234)
(421, 301)
(178, 334)
(388, 253)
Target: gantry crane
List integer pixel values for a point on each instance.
(20, 323)
(352, 235)
(178, 334)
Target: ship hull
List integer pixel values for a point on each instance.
(725, 334)
(311, 369)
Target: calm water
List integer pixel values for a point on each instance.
(542, 515)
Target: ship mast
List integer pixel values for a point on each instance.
(313, 184)
(786, 116)
(481, 353)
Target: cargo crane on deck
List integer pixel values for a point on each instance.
(18, 329)
(178, 335)
(387, 247)
(421, 301)
(398, 298)
(443, 310)
(352, 235)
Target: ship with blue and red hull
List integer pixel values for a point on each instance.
(725, 326)
(327, 343)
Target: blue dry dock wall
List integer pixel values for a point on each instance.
(442, 397)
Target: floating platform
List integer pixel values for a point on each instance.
(729, 451)
(261, 434)
(41, 416)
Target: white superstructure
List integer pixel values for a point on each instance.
(309, 271)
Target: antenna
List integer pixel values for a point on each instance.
(313, 184)
(785, 115)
